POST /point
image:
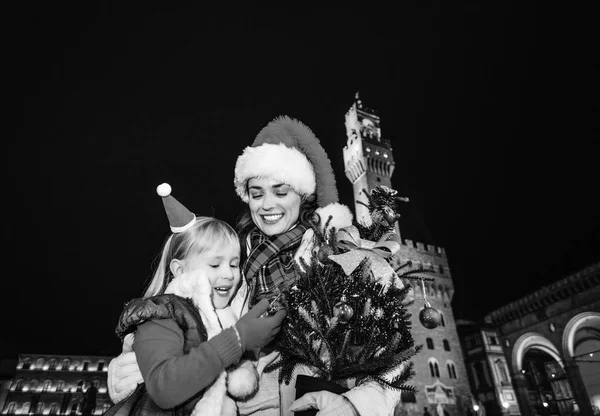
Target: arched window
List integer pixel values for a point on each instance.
(74, 408)
(60, 386)
(25, 408)
(429, 343)
(80, 385)
(446, 345)
(39, 409)
(19, 385)
(65, 364)
(52, 364)
(85, 365)
(442, 319)
(27, 364)
(100, 366)
(39, 364)
(54, 408)
(451, 370)
(47, 385)
(34, 385)
(434, 368)
(11, 408)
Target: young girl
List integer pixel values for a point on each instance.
(188, 341)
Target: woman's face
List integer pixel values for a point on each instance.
(274, 206)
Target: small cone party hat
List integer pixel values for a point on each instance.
(180, 218)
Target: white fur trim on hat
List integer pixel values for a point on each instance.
(341, 216)
(275, 161)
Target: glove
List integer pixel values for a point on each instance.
(327, 404)
(124, 375)
(256, 332)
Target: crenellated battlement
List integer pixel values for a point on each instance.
(426, 248)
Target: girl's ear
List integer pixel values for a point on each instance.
(177, 267)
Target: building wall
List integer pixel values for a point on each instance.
(554, 320)
(56, 384)
(487, 369)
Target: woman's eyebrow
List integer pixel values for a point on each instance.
(279, 185)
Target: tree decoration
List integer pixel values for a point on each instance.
(343, 311)
(430, 317)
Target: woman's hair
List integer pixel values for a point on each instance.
(206, 233)
(245, 224)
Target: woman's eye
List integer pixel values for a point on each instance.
(256, 196)
(214, 266)
(235, 266)
(281, 193)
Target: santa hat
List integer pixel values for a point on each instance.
(180, 218)
(288, 151)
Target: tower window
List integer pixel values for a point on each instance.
(385, 155)
(377, 152)
(434, 369)
(446, 345)
(429, 343)
(368, 149)
(451, 370)
(378, 179)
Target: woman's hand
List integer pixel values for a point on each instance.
(124, 374)
(327, 404)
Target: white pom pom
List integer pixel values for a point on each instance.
(242, 382)
(164, 189)
(342, 217)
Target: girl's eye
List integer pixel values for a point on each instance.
(214, 266)
(235, 266)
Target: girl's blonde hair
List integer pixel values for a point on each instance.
(206, 233)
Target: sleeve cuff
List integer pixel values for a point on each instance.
(227, 346)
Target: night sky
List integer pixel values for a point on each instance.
(492, 114)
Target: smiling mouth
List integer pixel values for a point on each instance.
(222, 290)
(271, 218)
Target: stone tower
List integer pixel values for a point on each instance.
(441, 377)
(368, 158)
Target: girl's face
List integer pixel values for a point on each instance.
(222, 266)
(274, 206)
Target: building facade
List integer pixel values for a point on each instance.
(58, 384)
(487, 369)
(551, 341)
(441, 378)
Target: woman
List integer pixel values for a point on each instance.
(286, 178)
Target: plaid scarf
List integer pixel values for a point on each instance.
(270, 264)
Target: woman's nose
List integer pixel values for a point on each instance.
(268, 202)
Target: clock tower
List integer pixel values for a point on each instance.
(368, 158)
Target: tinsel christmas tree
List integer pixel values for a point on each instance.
(347, 313)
